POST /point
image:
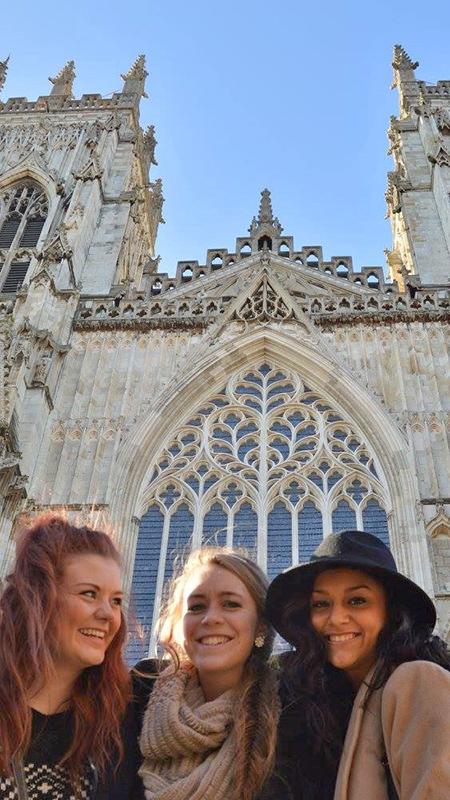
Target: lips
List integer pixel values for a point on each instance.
(93, 633)
(339, 638)
(214, 641)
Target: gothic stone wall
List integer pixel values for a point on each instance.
(112, 379)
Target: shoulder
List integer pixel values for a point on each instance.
(417, 679)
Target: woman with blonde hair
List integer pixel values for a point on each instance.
(64, 686)
(209, 730)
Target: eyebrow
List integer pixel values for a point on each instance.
(350, 589)
(95, 586)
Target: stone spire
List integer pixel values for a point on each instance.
(403, 66)
(265, 215)
(63, 81)
(135, 78)
(265, 207)
(3, 71)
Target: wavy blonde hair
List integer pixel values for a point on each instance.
(256, 726)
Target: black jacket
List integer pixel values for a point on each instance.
(301, 771)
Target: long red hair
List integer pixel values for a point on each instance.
(29, 609)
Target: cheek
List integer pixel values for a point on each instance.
(317, 620)
(183, 632)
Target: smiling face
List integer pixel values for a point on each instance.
(90, 613)
(348, 611)
(220, 622)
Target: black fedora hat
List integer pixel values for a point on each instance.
(356, 549)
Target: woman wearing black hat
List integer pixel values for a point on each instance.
(366, 693)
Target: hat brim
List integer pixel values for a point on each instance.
(297, 582)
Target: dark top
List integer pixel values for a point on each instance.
(122, 782)
(301, 772)
(50, 739)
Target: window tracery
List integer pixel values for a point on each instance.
(266, 464)
(23, 211)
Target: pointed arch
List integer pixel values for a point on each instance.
(32, 167)
(25, 216)
(211, 370)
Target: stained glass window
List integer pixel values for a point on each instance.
(266, 464)
(23, 210)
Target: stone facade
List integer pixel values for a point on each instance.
(263, 398)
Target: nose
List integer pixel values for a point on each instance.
(213, 615)
(338, 614)
(104, 610)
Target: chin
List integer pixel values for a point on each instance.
(93, 661)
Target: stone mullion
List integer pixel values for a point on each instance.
(10, 253)
(230, 527)
(159, 581)
(359, 519)
(199, 512)
(294, 529)
(263, 483)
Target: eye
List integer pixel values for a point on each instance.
(232, 604)
(118, 601)
(195, 608)
(318, 604)
(358, 601)
(89, 593)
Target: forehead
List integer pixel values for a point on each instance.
(344, 578)
(214, 579)
(91, 568)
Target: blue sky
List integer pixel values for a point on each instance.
(290, 95)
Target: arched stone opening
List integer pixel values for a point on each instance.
(393, 492)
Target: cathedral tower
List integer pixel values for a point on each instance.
(419, 187)
(78, 217)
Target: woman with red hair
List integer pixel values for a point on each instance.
(64, 687)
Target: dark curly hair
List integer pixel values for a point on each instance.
(323, 692)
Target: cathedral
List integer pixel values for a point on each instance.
(263, 398)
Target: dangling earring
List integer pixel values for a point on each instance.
(259, 641)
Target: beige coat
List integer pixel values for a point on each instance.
(413, 713)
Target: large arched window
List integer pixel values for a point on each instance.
(267, 464)
(23, 210)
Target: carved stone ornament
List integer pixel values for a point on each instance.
(3, 71)
(150, 143)
(157, 197)
(393, 135)
(57, 249)
(401, 59)
(125, 130)
(63, 81)
(442, 119)
(42, 366)
(42, 137)
(265, 216)
(440, 524)
(442, 157)
(397, 184)
(91, 171)
(135, 78)
(264, 304)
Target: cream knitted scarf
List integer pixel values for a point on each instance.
(187, 743)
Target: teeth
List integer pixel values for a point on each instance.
(214, 640)
(97, 634)
(341, 637)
